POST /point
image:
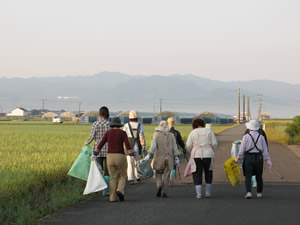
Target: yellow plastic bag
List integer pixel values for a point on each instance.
(232, 171)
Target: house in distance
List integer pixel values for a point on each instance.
(18, 111)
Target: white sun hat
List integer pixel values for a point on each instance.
(252, 125)
(133, 114)
(163, 126)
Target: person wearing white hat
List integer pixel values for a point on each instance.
(254, 151)
(136, 137)
(164, 148)
(262, 132)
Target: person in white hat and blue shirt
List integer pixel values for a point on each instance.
(254, 151)
(136, 137)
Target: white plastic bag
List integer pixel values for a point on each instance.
(235, 151)
(95, 180)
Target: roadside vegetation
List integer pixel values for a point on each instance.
(284, 131)
(35, 158)
(293, 129)
(275, 130)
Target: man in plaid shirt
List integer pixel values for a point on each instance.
(98, 130)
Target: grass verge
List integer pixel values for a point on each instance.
(275, 130)
(26, 207)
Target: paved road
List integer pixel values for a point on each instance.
(280, 204)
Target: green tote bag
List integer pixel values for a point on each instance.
(81, 167)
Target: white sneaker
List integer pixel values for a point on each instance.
(248, 195)
(259, 195)
(198, 196)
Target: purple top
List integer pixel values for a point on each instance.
(247, 143)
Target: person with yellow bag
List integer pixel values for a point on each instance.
(254, 151)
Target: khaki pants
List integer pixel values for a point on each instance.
(117, 166)
(131, 170)
(163, 177)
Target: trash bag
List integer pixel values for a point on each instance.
(95, 181)
(81, 167)
(233, 171)
(235, 150)
(144, 169)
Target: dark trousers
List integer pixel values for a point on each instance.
(202, 164)
(253, 165)
(103, 163)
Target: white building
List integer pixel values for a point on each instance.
(18, 112)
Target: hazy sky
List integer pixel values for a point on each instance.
(218, 39)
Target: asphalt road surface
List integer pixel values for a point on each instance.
(279, 205)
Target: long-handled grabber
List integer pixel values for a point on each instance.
(278, 174)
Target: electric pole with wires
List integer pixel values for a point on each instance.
(239, 102)
(43, 105)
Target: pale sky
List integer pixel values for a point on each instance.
(218, 39)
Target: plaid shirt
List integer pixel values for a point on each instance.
(99, 128)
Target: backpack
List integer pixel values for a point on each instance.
(132, 140)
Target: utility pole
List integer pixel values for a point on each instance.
(160, 108)
(78, 112)
(248, 110)
(244, 116)
(153, 108)
(43, 105)
(259, 106)
(239, 102)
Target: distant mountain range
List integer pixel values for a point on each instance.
(121, 92)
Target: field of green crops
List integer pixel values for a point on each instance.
(35, 158)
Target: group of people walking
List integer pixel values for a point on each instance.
(201, 143)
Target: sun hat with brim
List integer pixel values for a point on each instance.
(133, 114)
(116, 122)
(252, 125)
(163, 126)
